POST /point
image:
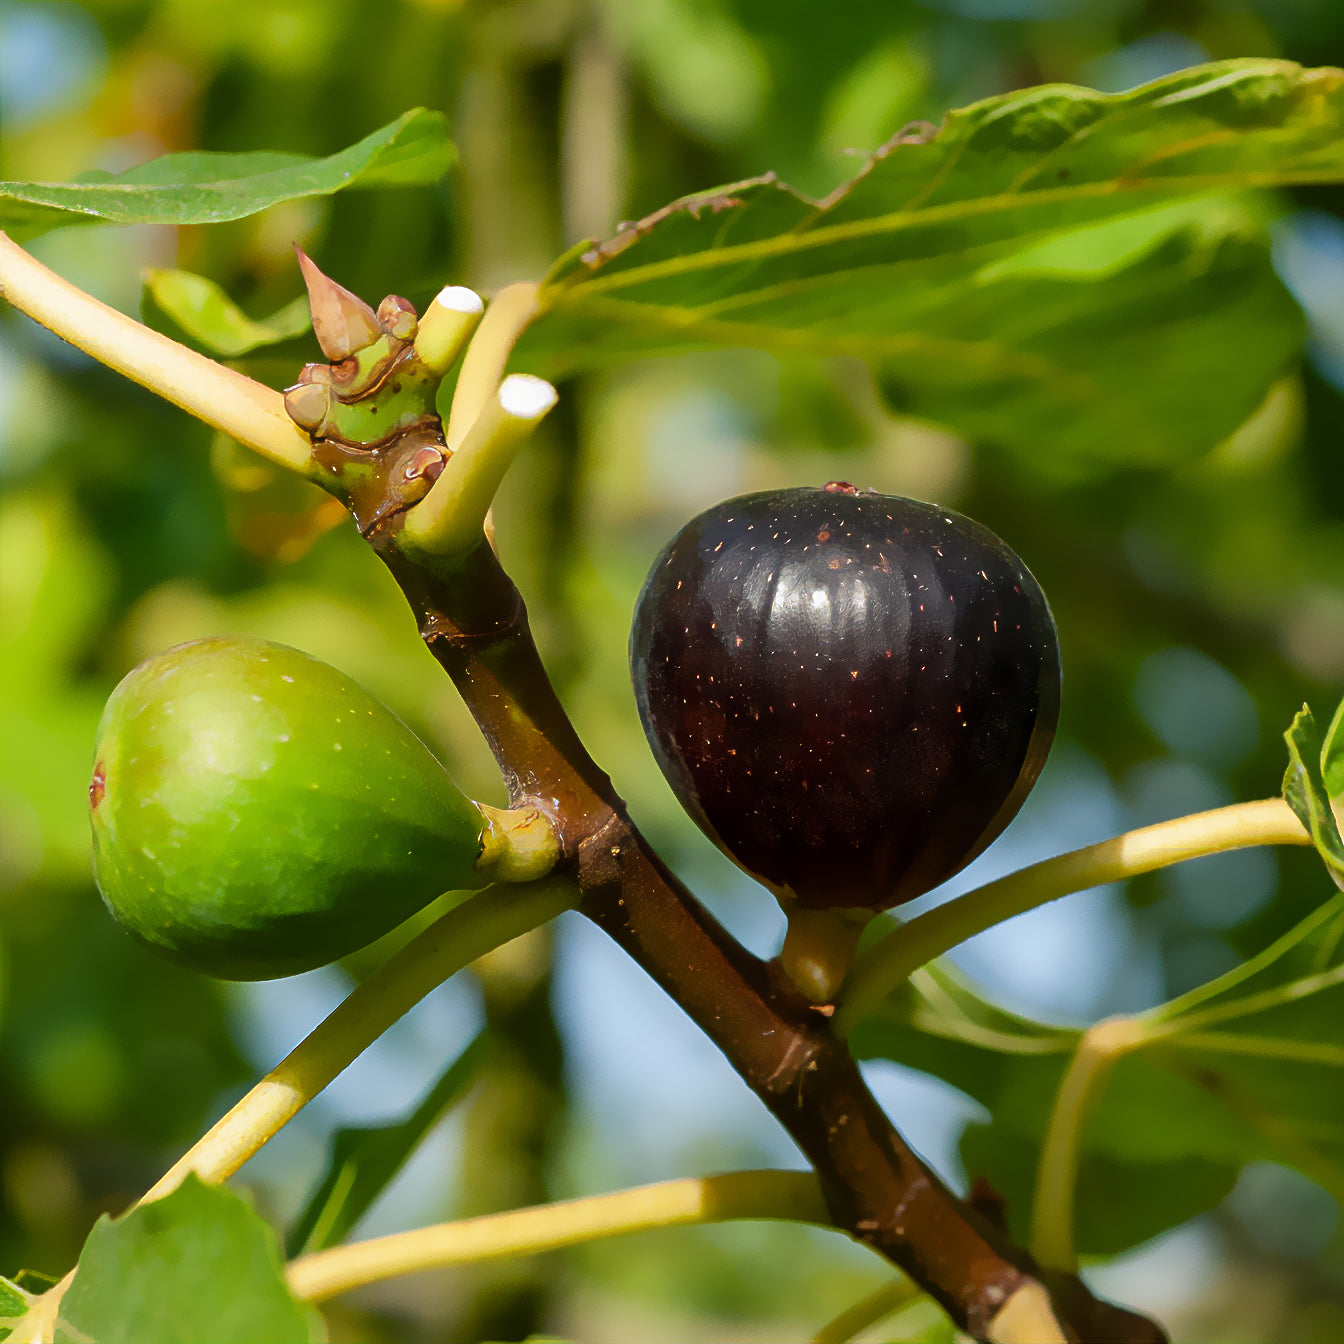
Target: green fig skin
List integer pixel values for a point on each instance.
(256, 813)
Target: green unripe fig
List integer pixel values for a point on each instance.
(256, 813)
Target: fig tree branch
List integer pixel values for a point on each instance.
(474, 622)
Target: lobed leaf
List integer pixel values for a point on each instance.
(1052, 266)
(196, 1267)
(208, 188)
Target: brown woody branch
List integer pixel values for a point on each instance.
(474, 622)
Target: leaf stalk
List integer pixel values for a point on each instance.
(794, 1195)
(229, 401)
(900, 953)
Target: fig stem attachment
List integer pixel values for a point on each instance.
(447, 326)
(225, 399)
(519, 844)
(507, 317)
(819, 946)
(793, 1195)
(450, 519)
(894, 958)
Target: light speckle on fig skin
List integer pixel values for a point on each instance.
(97, 785)
(868, 788)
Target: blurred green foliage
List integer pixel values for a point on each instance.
(1198, 605)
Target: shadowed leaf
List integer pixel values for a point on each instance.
(1245, 1068)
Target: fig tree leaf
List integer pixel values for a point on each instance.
(1248, 1067)
(1332, 755)
(13, 1305)
(207, 188)
(364, 1161)
(1050, 266)
(1118, 1204)
(13, 1300)
(196, 1267)
(1304, 790)
(208, 317)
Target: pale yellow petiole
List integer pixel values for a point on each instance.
(447, 326)
(507, 317)
(488, 920)
(792, 1195)
(245, 410)
(892, 960)
(1057, 1176)
(449, 520)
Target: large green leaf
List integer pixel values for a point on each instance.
(1248, 1067)
(205, 188)
(1052, 266)
(196, 1267)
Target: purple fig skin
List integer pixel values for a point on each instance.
(851, 693)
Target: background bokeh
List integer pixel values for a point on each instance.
(1198, 608)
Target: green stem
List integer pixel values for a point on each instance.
(1057, 1176)
(891, 961)
(792, 1195)
(507, 317)
(877, 1306)
(236, 405)
(447, 326)
(486, 921)
(448, 521)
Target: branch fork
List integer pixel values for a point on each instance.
(474, 623)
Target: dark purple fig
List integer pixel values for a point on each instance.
(851, 693)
